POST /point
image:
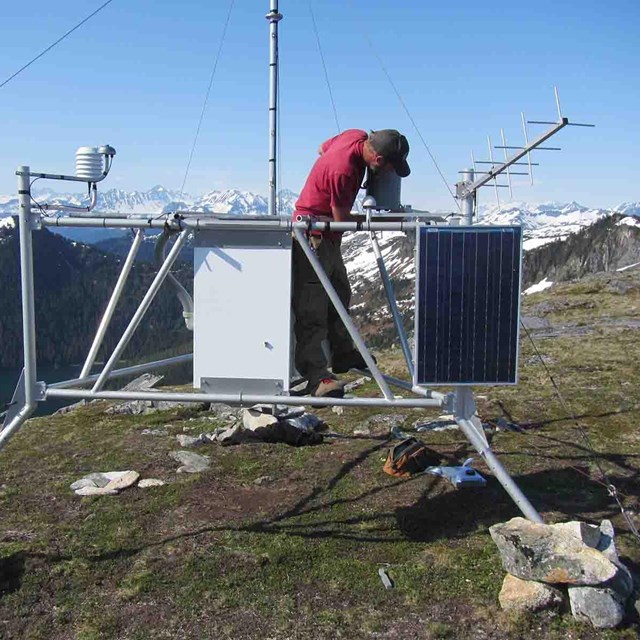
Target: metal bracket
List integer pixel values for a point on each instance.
(18, 400)
(41, 391)
(35, 221)
(462, 188)
(464, 408)
(448, 403)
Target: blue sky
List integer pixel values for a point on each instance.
(135, 77)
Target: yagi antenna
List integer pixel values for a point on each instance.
(474, 179)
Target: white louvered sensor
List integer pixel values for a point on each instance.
(89, 163)
(93, 163)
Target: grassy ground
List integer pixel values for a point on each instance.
(215, 555)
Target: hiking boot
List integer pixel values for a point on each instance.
(327, 388)
(351, 360)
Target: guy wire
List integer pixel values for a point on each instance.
(206, 99)
(605, 482)
(58, 41)
(408, 113)
(324, 66)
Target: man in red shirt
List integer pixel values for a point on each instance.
(330, 191)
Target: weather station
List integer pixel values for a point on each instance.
(467, 294)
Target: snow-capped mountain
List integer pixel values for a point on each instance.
(155, 201)
(544, 222)
(237, 202)
(629, 209)
(160, 200)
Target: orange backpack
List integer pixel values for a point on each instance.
(409, 457)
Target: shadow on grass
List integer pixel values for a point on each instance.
(12, 569)
(457, 513)
(439, 513)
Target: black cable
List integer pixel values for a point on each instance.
(100, 8)
(206, 99)
(42, 211)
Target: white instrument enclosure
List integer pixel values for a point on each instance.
(242, 311)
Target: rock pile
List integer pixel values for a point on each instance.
(548, 564)
(108, 483)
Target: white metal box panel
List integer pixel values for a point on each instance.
(242, 311)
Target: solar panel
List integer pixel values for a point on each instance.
(467, 305)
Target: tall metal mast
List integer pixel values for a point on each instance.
(273, 17)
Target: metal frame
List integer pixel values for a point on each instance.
(31, 391)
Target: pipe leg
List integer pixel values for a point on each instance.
(142, 309)
(464, 414)
(18, 420)
(344, 315)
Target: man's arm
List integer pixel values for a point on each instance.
(342, 214)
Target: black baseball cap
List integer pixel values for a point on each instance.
(393, 147)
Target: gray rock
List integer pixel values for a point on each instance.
(91, 480)
(338, 410)
(533, 322)
(70, 407)
(622, 582)
(223, 411)
(191, 462)
(263, 480)
(96, 491)
(131, 408)
(588, 533)
(362, 432)
(150, 482)
(154, 432)
(232, 435)
(143, 407)
(359, 382)
(601, 607)
(143, 383)
(533, 551)
(189, 441)
(81, 484)
(257, 418)
(165, 405)
(607, 544)
(119, 480)
(527, 595)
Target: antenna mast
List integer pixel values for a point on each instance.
(273, 17)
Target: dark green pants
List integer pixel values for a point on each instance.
(315, 317)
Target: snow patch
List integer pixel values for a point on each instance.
(629, 266)
(533, 243)
(628, 221)
(536, 288)
(7, 223)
